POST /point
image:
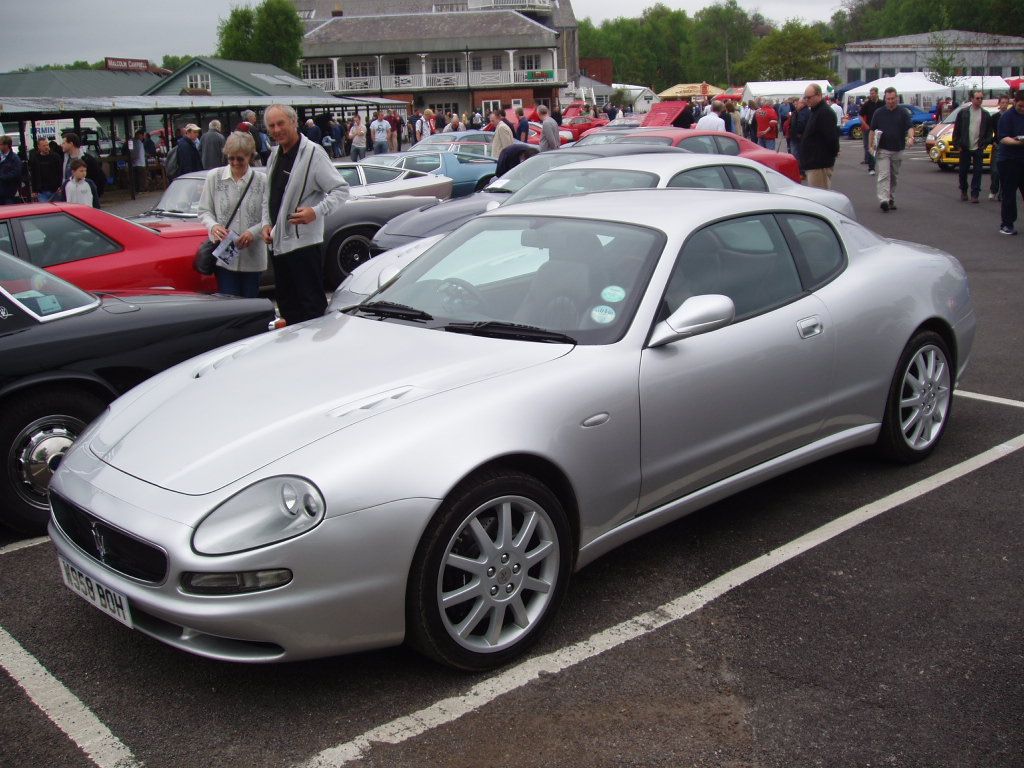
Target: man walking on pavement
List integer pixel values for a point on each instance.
(891, 132)
(1011, 162)
(819, 143)
(303, 189)
(972, 132)
(993, 185)
(867, 110)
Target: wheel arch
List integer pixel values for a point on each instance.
(544, 470)
(943, 329)
(57, 380)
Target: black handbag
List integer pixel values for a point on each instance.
(205, 261)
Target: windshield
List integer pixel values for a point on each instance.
(563, 182)
(530, 169)
(665, 140)
(39, 293)
(604, 137)
(579, 279)
(182, 197)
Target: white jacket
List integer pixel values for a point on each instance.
(314, 183)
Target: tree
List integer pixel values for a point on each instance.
(795, 52)
(172, 62)
(277, 35)
(944, 63)
(722, 35)
(235, 34)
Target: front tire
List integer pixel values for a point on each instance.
(920, 400)
(489, 572)
(36, 428)
(856, 132)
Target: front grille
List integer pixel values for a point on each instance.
(110, 546)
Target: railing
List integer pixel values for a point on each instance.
(439, 81)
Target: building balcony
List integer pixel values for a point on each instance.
(441, 81)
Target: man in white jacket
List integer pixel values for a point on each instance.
(303, 189)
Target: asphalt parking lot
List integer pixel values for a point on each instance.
(852, 613)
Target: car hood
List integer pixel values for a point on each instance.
(443, 217)
(206, 423)
(185, 227)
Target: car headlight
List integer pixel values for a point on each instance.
(941, 146)
(272, 510)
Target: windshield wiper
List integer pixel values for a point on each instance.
(391, 309)
(501, 330)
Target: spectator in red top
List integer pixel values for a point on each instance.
(767, 120)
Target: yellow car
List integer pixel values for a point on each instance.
(939, 142)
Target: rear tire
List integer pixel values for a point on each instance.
(489, 572)
(920, 400)
(36, 428)
(346, 251)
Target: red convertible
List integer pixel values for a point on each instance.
(706, 142)
(98, 251)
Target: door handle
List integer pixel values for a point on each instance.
(809, 326)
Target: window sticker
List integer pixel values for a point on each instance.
(603, 314)
(613, 294)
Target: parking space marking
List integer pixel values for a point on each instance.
(23, 545)
(63, 708)
(989, 398)
(448, 710)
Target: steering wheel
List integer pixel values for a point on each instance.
(458, 294)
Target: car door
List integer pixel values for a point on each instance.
(715, 404)
(52, 240)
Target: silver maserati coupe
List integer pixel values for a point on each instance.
(547, 382)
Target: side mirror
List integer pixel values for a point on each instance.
(492, 205)
(697, 315)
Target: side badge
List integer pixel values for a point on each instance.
(4, 314)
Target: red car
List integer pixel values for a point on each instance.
(582, 123)
(714, 143)
(564, 135)
(98, 251)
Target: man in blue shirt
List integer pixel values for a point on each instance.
(10, 172)
(1010, 161)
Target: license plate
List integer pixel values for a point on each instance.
(110, 601)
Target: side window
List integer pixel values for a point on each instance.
(60, 238)
(377, 175)
(746, 259)
(6, 245)
(747, 179)
(817, 249)
(728, 146)
(351, 176)
(712, 177)
(703, 144)
(423, 162)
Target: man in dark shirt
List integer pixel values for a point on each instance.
(867, 111)
(1010, 159)
(45, 165)
(819, 143)
(897, 131)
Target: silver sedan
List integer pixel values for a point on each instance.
(684, 171)
(547, 382)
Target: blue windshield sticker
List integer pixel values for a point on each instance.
(613, 294)
(602, 314)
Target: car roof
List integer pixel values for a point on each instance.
(660, 162)
(670, 210)
(616, 150)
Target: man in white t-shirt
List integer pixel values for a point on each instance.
(712, 121)
(380, 130)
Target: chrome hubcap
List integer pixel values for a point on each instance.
(498, 574)
(925, 397)
(36, 453)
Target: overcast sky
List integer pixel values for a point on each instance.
(69, 30)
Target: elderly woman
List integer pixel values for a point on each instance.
(239, 274)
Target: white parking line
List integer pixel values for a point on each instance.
(448, 710)
(63, 707)
(989, 398)
(23, 545)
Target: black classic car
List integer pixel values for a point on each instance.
(65, 354)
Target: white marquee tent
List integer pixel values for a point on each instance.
(781, 89)
(912, 88)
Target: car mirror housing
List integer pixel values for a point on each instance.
(697, 315)
(388, 274)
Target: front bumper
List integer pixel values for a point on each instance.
(347, 592)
